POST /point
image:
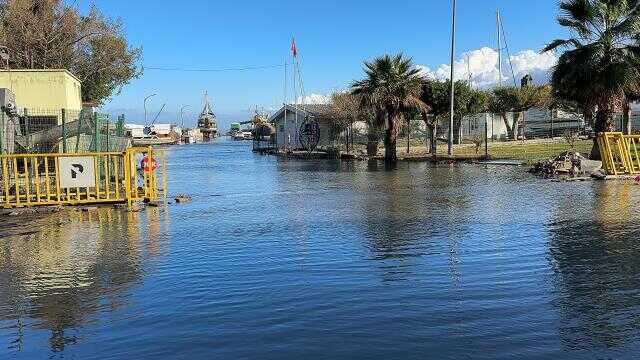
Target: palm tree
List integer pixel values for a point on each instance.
(603, 60)
(392, 84)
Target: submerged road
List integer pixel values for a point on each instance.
(278, 259)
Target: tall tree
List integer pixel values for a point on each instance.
(468, 101)
(602, 56)
(472, 102)
(526, 98)
(504, 100)
(345, 110)
(391, 84)
(501, 102)
(435, 94)
(42, 34)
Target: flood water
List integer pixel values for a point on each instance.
(279, 259)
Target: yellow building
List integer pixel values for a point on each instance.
(44, 92)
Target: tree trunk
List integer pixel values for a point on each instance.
(524, 125)
(434, 140)
(346, 139)
(408, 137)
(372, 142)
(351, 133)
(430, 138)
(516, 124)
(391, 138)
(457, 130)
(506, 125)
(603, 123)
(626, 116)
(588, 117)
(427, 138)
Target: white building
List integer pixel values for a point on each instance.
(536, 123)
(290, 118)
(634, 118)
(134, 130)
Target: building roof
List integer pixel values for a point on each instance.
(43, 70)
(314, 110)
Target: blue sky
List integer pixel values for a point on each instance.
(333, 37)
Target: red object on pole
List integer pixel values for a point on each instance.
(294, 48)
(149, 164)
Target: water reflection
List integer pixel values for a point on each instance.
(597, 272)
(58, 277)
(402, 213)
(450, 260)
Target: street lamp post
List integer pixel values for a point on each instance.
(453, 49)
(182, 113)
(145, 107)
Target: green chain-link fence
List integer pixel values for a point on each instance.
(60, 131)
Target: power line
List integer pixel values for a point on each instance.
(244, 68)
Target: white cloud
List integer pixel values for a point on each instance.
(482, 67)
(314, 99)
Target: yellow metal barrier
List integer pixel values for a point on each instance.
(619, 153)
(86, 178)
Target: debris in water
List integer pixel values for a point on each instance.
(569, 163)
(182, 199)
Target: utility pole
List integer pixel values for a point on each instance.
(453, 49)
(499, 48)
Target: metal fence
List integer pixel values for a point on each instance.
(36, 131)
(69, 179)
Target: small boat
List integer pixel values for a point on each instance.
(242, 135)
(237, 136)
(152, 140)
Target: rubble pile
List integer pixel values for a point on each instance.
(569, 163)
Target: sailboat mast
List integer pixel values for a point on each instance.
(284, 134)
(469, 75)
(295, 93)
(499, 48)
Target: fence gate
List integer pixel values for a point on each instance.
(82, 178)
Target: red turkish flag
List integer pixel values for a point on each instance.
(294, 48)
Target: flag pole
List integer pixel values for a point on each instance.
(453, 49)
